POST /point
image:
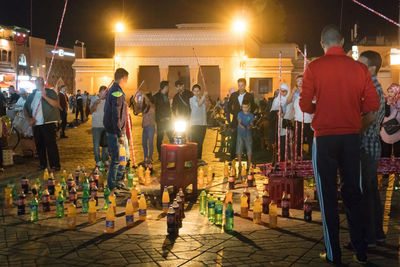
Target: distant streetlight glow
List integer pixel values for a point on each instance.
(239, 25)
(119, 27)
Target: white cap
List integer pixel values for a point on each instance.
(284, 87)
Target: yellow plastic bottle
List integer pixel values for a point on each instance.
(273, 215)
(226, 169)
(257, 209)
(129, 212)
(244, 173)
(165, 200)
(228, 197)
(147, 177)
(57, 189)
(233, 168)
(244, 206)
(8, 196)
(200, 178)
(110, 219)
(112, 199)
(122, 155)
(140, 174)
(134, 198)
(92, 211)
(142, 208)
(209, 175)
(45, 176)
(71, 216)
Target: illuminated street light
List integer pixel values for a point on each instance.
(119, 27)
(239, 25)
(180, 128)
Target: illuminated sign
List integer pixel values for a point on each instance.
(394, 56)
(354, 53)
(63, 53)
(22, 60)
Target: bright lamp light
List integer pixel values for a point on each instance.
(239, 25)
(119, 27)
(180, 127)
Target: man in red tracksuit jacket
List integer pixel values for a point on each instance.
(338, 90)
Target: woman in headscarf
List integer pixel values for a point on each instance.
(392, 111)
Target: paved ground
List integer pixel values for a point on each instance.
(200, 243)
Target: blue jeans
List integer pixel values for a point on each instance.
(116, 171)
(96, 132)
(148, 137)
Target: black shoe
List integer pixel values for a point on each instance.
(63, 136)
(348, 246)
(322, 255)
(56, 169)
(360, 259)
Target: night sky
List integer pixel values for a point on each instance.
(298, 21)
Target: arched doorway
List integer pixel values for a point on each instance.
(212, 79)
(151, 77)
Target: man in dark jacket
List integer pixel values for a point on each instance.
(42, 111)
(235, 106)
(79, 105)
(163, 115)
(115, 117)
(63, 109)
(180, 102)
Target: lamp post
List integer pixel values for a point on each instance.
(239, 26)
(82, 45)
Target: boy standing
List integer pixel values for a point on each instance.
(245, 122)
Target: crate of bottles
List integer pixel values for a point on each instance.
(8, 157)
(294, 186)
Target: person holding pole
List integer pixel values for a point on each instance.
(343, 90)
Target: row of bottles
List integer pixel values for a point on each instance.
(175, 212)
(201, 180)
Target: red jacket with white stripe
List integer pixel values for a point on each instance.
(342, 88)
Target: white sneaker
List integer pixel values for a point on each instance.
(107, 163)
(98, 164)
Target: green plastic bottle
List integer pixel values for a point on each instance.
(60, 205)
(86, 184)
(107, 193)
(64, 187)
(219, 207)
(129, 177)
(229, 217)
(14, 191)
(85, 201)
(34, 209)
(203, 202)
(211, 209)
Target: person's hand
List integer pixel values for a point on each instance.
(205, 94)
(32, 121)
(121, 140)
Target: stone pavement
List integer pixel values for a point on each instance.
(200, 243)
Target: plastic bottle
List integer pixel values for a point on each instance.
(57, 189)
(172, 228)
(231, 181)
(129, 177)
(34, 209)
(307, 210)
(273, 215)
(179, 201)
(45, 176)
(60, 205)
(141, 174)
(64, 175)
(265, 202)
(21, 203)
(106, 197)
(51, 183)
(73, 196)
(211, 209)
(77, 174)
(228, 197)
(134, 198)
(218, 212)
(113, 201)
(233, 169)
(92, 211)
(8, 200)
(175, 206)
(182, 196)
(265, 184)
(86, 184)
(142, 208)
(243, 172)
(257, 208)
(96, 176)
(226, 169)
(34, 189)
(244, 206)
(85, 202)
(25, 185)
(229, 217)
(70, 182)
(147, 177)
(93, 194)
(71, 216)
(129, 212)
(14, 191)
(92, 183)
(247, 192)
(200, 178)
(122, 156)
(203, 202)
(110, 219)
(285, 205)
(165, 200)
(46, 201)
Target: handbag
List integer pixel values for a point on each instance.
(391, 126)
(103, 139)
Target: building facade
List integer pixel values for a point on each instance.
(207, 54)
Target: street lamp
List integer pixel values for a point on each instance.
(119, 27)
(82, 45)
(180, 128)
(239, 25)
